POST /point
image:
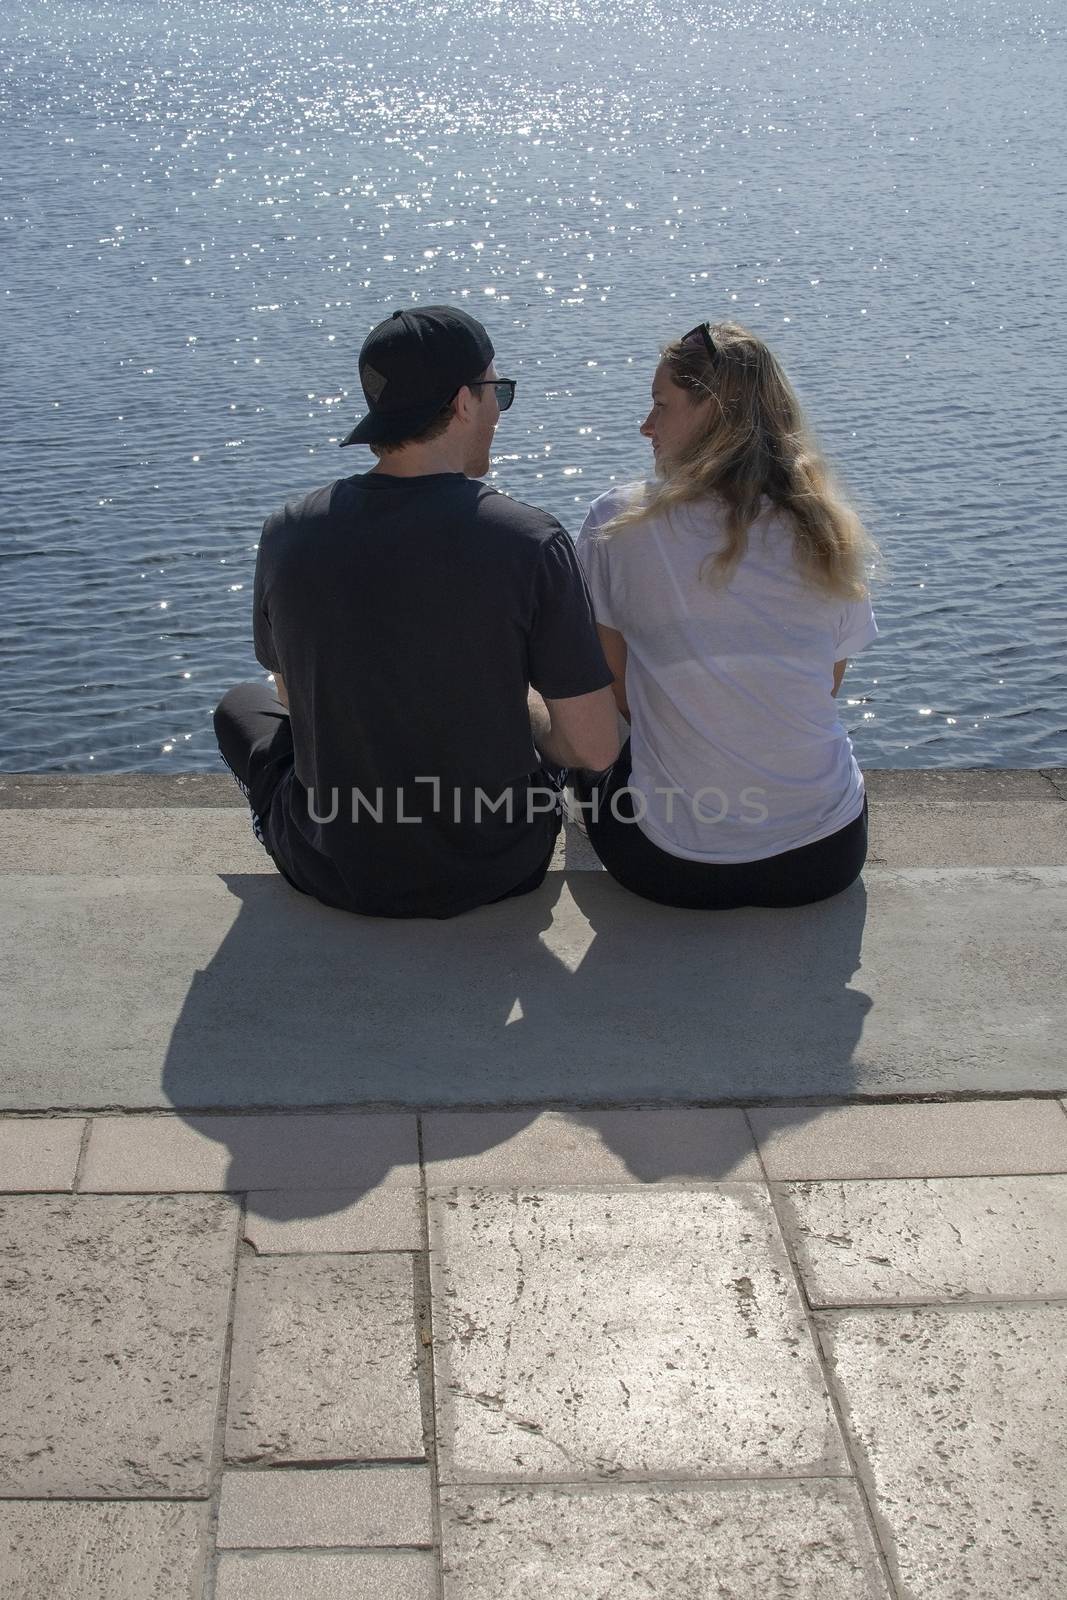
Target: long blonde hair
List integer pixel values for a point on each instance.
(756, 444)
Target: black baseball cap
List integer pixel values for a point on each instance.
(411, 365)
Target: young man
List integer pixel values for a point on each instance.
(433, 649)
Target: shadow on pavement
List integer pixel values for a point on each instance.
(577, 995)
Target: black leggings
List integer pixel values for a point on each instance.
(794, 878)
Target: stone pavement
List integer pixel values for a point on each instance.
(701, 1296)
(677, 1352)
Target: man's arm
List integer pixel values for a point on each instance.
(581, 731)
(280, 691)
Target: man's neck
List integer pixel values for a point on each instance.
(419, 461)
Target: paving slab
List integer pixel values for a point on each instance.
(39, 1153)
(509, 1149)
(948, 1140)
(355, 1150)
(154, 990)
(333, 1221)
(112, 1346)
(322, 1575)
(590, 1334)
(809, 1541)
(362, 1506)
(959, 1416)
(928, 1239)
(100, 1551)
(323, 1364)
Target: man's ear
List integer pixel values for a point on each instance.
(464, 403)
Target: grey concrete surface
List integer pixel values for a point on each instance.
(622, 1146)
(961, 1139)
(299, 1510)
(324, 1575)
(333, 1221)
(309, 1151)
(920, 1239)
(323, 1363)
(113, 1341)
(621, 1333)
(959, 1416)
(39, 1153)
(968, 833)
(747, 1541)
(110, 840)
(142, 991)
(100, 1551)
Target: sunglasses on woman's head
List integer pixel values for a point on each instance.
(701, 335)
(505, 389)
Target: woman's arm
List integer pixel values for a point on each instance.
(839, 673)
(614, 647)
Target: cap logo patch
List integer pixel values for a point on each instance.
(373, 383)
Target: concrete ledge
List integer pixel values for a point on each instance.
(968, 783)
(39, 791)
(44, 790)
(232, 991)
(156, 958)
(217, 840)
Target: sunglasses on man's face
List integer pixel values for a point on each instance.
(701, 334)
(505, 389)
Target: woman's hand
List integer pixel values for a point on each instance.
(614, 647)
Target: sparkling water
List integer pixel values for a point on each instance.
(204, 208)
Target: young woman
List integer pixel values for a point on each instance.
(729, 593)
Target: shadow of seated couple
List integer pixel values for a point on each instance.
(577, 995)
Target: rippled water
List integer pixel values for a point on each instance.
(204, 207)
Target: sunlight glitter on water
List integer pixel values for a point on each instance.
(206, 209)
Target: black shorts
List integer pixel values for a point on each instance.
(794, 878)
(256, 742)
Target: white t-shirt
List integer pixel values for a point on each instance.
(738, 751)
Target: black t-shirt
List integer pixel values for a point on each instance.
(407, 617)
